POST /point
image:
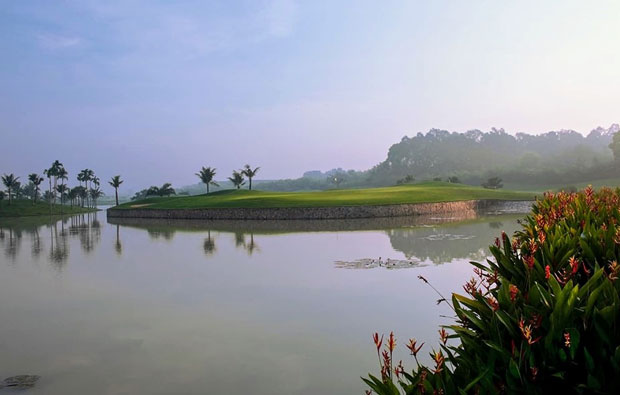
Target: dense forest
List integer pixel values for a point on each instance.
(554, 157)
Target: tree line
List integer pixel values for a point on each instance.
(85, 194)
(207, 177)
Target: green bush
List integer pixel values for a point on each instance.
(542, 316)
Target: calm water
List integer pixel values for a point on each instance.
(159, 307)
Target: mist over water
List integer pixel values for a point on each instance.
(250, 307)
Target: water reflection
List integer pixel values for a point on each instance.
(208, 245)
(57, 231)
(118, 246)
(120, 302)
(422, 239)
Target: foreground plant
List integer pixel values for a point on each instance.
(542, 316)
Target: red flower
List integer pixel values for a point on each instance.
(391, 344)
(378, 342)
(574, 265)
(514, 291)
(547, 272)
(493, 303)
(567, 339)
(412, 347)
(529, 261)
(443, 335)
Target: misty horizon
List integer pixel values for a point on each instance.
(154, 91)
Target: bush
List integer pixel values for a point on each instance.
(542, 316)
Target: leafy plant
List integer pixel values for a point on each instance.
(542, 316)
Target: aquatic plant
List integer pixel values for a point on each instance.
(541, 316)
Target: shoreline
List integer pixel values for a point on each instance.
(321, 213)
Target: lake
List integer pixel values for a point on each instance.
(193, 307)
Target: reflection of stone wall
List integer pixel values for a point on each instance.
(285, 213)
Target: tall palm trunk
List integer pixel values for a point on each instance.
(116, 193)
(9, 188)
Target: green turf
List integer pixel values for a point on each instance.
(25, 208)
(419, 193)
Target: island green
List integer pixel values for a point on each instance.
(429, 192)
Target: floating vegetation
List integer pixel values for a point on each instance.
(447, 236)
(368, 263)
(23, 381)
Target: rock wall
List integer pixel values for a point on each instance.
(286, 213)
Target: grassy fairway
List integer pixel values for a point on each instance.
(25, 208)
(419, 193)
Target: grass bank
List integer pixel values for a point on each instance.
(432, 192)
(25, 208)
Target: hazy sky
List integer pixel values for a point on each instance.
(152, 90)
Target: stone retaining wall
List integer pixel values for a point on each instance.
(286, 213)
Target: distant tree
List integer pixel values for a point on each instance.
(237, 179)
(36, 180)
(437, 179)
(140, 195)
(337, 178)
(249, 173)
(615, 146)
(206, 175)
(116, 182)
(62, 189)
(454, 180)
(73, 194)
(2, 196)
(166, 190)
(95, 193)
(82, 193)
(10, 182)
(18, 191)
(408, 179)
(152, 191)
(493, 183)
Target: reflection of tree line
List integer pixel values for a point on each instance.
(85, 227)
(243, 240)
(441, 244)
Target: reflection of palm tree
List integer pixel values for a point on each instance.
(59, 249)
(118, 246)
(495, 225)
(251, 246)
(239, 239)
(36, 242)
(209, 244)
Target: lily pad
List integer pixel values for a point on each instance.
(23, 381)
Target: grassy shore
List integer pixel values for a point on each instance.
(420, 193)
(25, 208)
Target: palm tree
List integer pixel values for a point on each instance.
(166, 190)
(249, 173)
(62, 189)
(95, 193)
(56, 170)
(73, 194)
(36, 180)
(10, 182)
(237, 179)
(206, 175)
(116, 183)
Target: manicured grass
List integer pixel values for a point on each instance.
(25, 208)
(419, 193)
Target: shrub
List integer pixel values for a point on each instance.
(493, 183)
(541, 316)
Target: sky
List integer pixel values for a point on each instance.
(153, 90)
